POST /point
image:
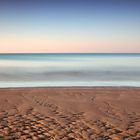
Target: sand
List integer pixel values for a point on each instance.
(70, 113)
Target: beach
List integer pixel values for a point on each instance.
(67, 113)
(69, 69)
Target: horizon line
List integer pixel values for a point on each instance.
(76, 53)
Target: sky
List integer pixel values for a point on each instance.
(69, 26)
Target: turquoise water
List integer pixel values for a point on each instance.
(45, 70)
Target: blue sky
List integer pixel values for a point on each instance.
(70, 26)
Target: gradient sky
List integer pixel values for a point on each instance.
(59, 26)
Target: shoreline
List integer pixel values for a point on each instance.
(74, 87)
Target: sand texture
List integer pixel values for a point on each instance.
(70, 114)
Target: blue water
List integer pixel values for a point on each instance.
(45, 70)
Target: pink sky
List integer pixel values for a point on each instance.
(64, 45)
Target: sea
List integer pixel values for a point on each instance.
(69, 70)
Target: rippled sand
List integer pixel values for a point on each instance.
(70, 114)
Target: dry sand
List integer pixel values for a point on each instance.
(70, 113)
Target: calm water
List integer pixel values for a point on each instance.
(28, 70)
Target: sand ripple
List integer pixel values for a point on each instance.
(70, 114)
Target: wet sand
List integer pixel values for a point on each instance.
(70, 113)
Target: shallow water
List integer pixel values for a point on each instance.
(31, 70)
